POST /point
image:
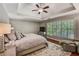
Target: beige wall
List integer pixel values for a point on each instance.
(25, 26)
(3, 14)
(42, 24)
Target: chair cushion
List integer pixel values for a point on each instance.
(70, 47)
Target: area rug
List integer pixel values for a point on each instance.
(51, 50)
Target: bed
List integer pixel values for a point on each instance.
(30, 43)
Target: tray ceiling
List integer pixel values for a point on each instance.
(23, 11)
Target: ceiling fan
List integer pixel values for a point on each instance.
(41, 8)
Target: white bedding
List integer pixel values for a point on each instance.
(31, 40)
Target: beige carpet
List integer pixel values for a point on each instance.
(51, 50)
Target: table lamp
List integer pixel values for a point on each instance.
(5, 28)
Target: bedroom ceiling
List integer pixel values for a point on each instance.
(23, 11)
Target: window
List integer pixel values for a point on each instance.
(61, 28)
(49, 31)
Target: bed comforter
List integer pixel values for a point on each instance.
(29, 41)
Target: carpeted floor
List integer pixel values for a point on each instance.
(51, 50)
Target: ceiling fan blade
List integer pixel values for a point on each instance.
(38, 12)
(45, 11)
(34, 10)
(37, 5)
(46, 7)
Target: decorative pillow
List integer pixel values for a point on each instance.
(11, 36)
(22, 35)
(19, 35)
(6, 40)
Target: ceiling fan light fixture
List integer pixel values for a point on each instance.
(40, 10)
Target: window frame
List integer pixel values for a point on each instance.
(61, 30)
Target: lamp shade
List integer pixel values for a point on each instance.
(5, 28)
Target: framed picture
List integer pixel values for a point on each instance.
(1, 44)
